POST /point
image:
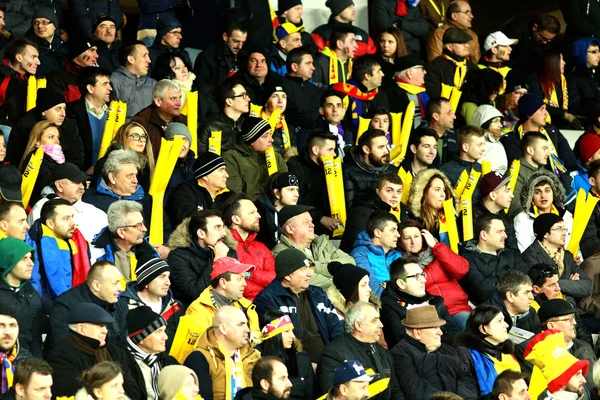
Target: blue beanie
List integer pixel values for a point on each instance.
(166, 23)
(528, 105)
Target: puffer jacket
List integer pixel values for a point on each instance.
(136, 92)
(363, 206)
(276, 297)
(251, 251)
(535, 254)
(190, 264)
(323, 252)
(26, 304)
(394, 304)
(230, 131)
(443, 274)
(203, 311)
(171, 309)
(373, 258)
(247, 169)
(360, 177)
(213, 368)
(485, 270)
(371, 356)
(455, 167)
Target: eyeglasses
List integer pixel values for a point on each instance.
(175, 33)
(42, 23)
(242, 95)
(137, 137)
(594, 52)
(559, 229)
(139, 226)
(419, 276)
(571, 319)
(466, 12)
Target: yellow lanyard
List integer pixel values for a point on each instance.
(437, 10)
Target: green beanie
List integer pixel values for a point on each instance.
(11, 252)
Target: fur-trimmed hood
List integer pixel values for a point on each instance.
(339, 301)
(418, 187)
(538, 177)
(181, 238)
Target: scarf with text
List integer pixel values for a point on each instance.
(334, 67)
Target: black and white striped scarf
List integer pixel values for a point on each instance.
(151, 360)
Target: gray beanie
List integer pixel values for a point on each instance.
(177, 128)
(289, 261)
(45, 12)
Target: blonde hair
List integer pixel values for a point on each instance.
(35, 136)
(431, 216)
(145, 159)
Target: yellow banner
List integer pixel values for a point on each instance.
(31, 93)
(271, 160)
(214, 142)
(455, 99)
(407, 124)
(41, 83)
(450, 214)
(486, 167)
(406, 184)
(335, 190)
(30, 175)
(187, 335)
(583, 211)
(255, 110)
(466, 205)
(396, 124)
(192, 120)
(363, 125)
(109, 128)
(120, 117)
(461, 183)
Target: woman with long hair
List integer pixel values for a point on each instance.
(485, 346)
(131, 136)
(278, 340)
(429, 189)
(550, 83)
(46, 135)
(104, 381)
(390, 46)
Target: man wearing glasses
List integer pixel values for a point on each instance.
(458, 15)
(46, 35)
(404, 291)
(168, 37)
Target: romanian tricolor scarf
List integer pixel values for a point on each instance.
(276, 327)
(553, 100)
(357, 97)
(460, 72)
(415, 90)
(7, 368)
(556, 163)
(444, 237)
(335, 75)
(487, 368)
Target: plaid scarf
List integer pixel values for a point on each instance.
(151, 360)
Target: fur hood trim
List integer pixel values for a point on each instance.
(289, 153)
(339, 301)
(418, 186)
(181, 238)
(538, 177)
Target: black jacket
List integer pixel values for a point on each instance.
(455, 167)
(62, 306)
(485, 270)
(479, 210)
(535, 254)
(26, 304)
(13, 93)
(526, 55)
(269, 229)
(83, 11)
(363, 206)
(359, 177)
(582, 18)
(398, 98)
(214, 64)
(441, 71)
(528, 321)
(70, 141)
(252, 393)
(229, 128)
(257, 92)
(138, 376)
(371, 355)
(393, 310)
(108, 57)
(68, 363)
(44, 177)
(76, 111)
(421, 373)
(584, 92)
(414, 26)
(365, 43)
(52, 54)
(303, 102)
(64, 81)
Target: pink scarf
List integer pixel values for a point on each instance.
(54, 151)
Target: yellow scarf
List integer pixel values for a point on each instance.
(553, 210)
(334, 67)
(441, 13)
(410, 88)
(507, 361)
(553, 101)
(279, 124)
(460, 72)
(555, 163)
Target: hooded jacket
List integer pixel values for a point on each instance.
(247, 169)
(323, 252)
(213, 368)
(136, 92)
(251, 251)
(359, 177)
(190, 264)
(525, 172)
(374, 259)
(485, 270)
(171, 309)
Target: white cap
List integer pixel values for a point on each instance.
(497, 39)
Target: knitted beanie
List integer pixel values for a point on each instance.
(289, 261)
(166, 23)
(177, 128)
(285, 179)
(46, 99)
(11, 252)
(45, 12)
(149, 268)
(100, 18)
(346, 277)
(79, 45)
(543, 223)
(253, 128)
(171, 380)
(7, 310)
(588, 146)
(337, 6)
(284, 5)
(528, 105)
(206, 163)
(141, 322)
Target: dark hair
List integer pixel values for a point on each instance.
(549, 72)
(162, 67)
(410, 223)
(540, 272)
(364, 65)
(318, 137)
(420, 133)
(480, 84)
(6, 207)
(199, 220)
(466, 132)
(2, 6)
(529, 138)
(18, 46)
(378, 220)
(49, 209)
(274, 346)
(98, 375)
(339, 33)
(366, 139)
(128, 49)
(434, 106)
(504, 383)
(225, 275)
(330, 93)
(225, 90)
(511, 281)
(548, 23)
(29, 366)
(235, 26)
(453, 7)
(398, 36)
(397, 269)
(89, 76)
(295, 56)
(391, 177)
(481, 315)
(96, 270)
(232, 207)
(263, 369)
(594, 169)
(483, 223)
(445, 396)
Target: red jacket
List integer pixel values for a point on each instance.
(257, 254)
(443, 274)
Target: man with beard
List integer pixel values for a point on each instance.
(65, 258)
(359, 342)
(105, 31)
(10, 350)
(18, 294)
(69, 184)
(242, 218)
(270, 381)
(365, 163)
(423, 146)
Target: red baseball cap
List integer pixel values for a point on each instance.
(228, 264)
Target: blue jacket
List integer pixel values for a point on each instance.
(105, 241)
(373, 259)
(102, 197)
(580, 179)
(275, 297)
